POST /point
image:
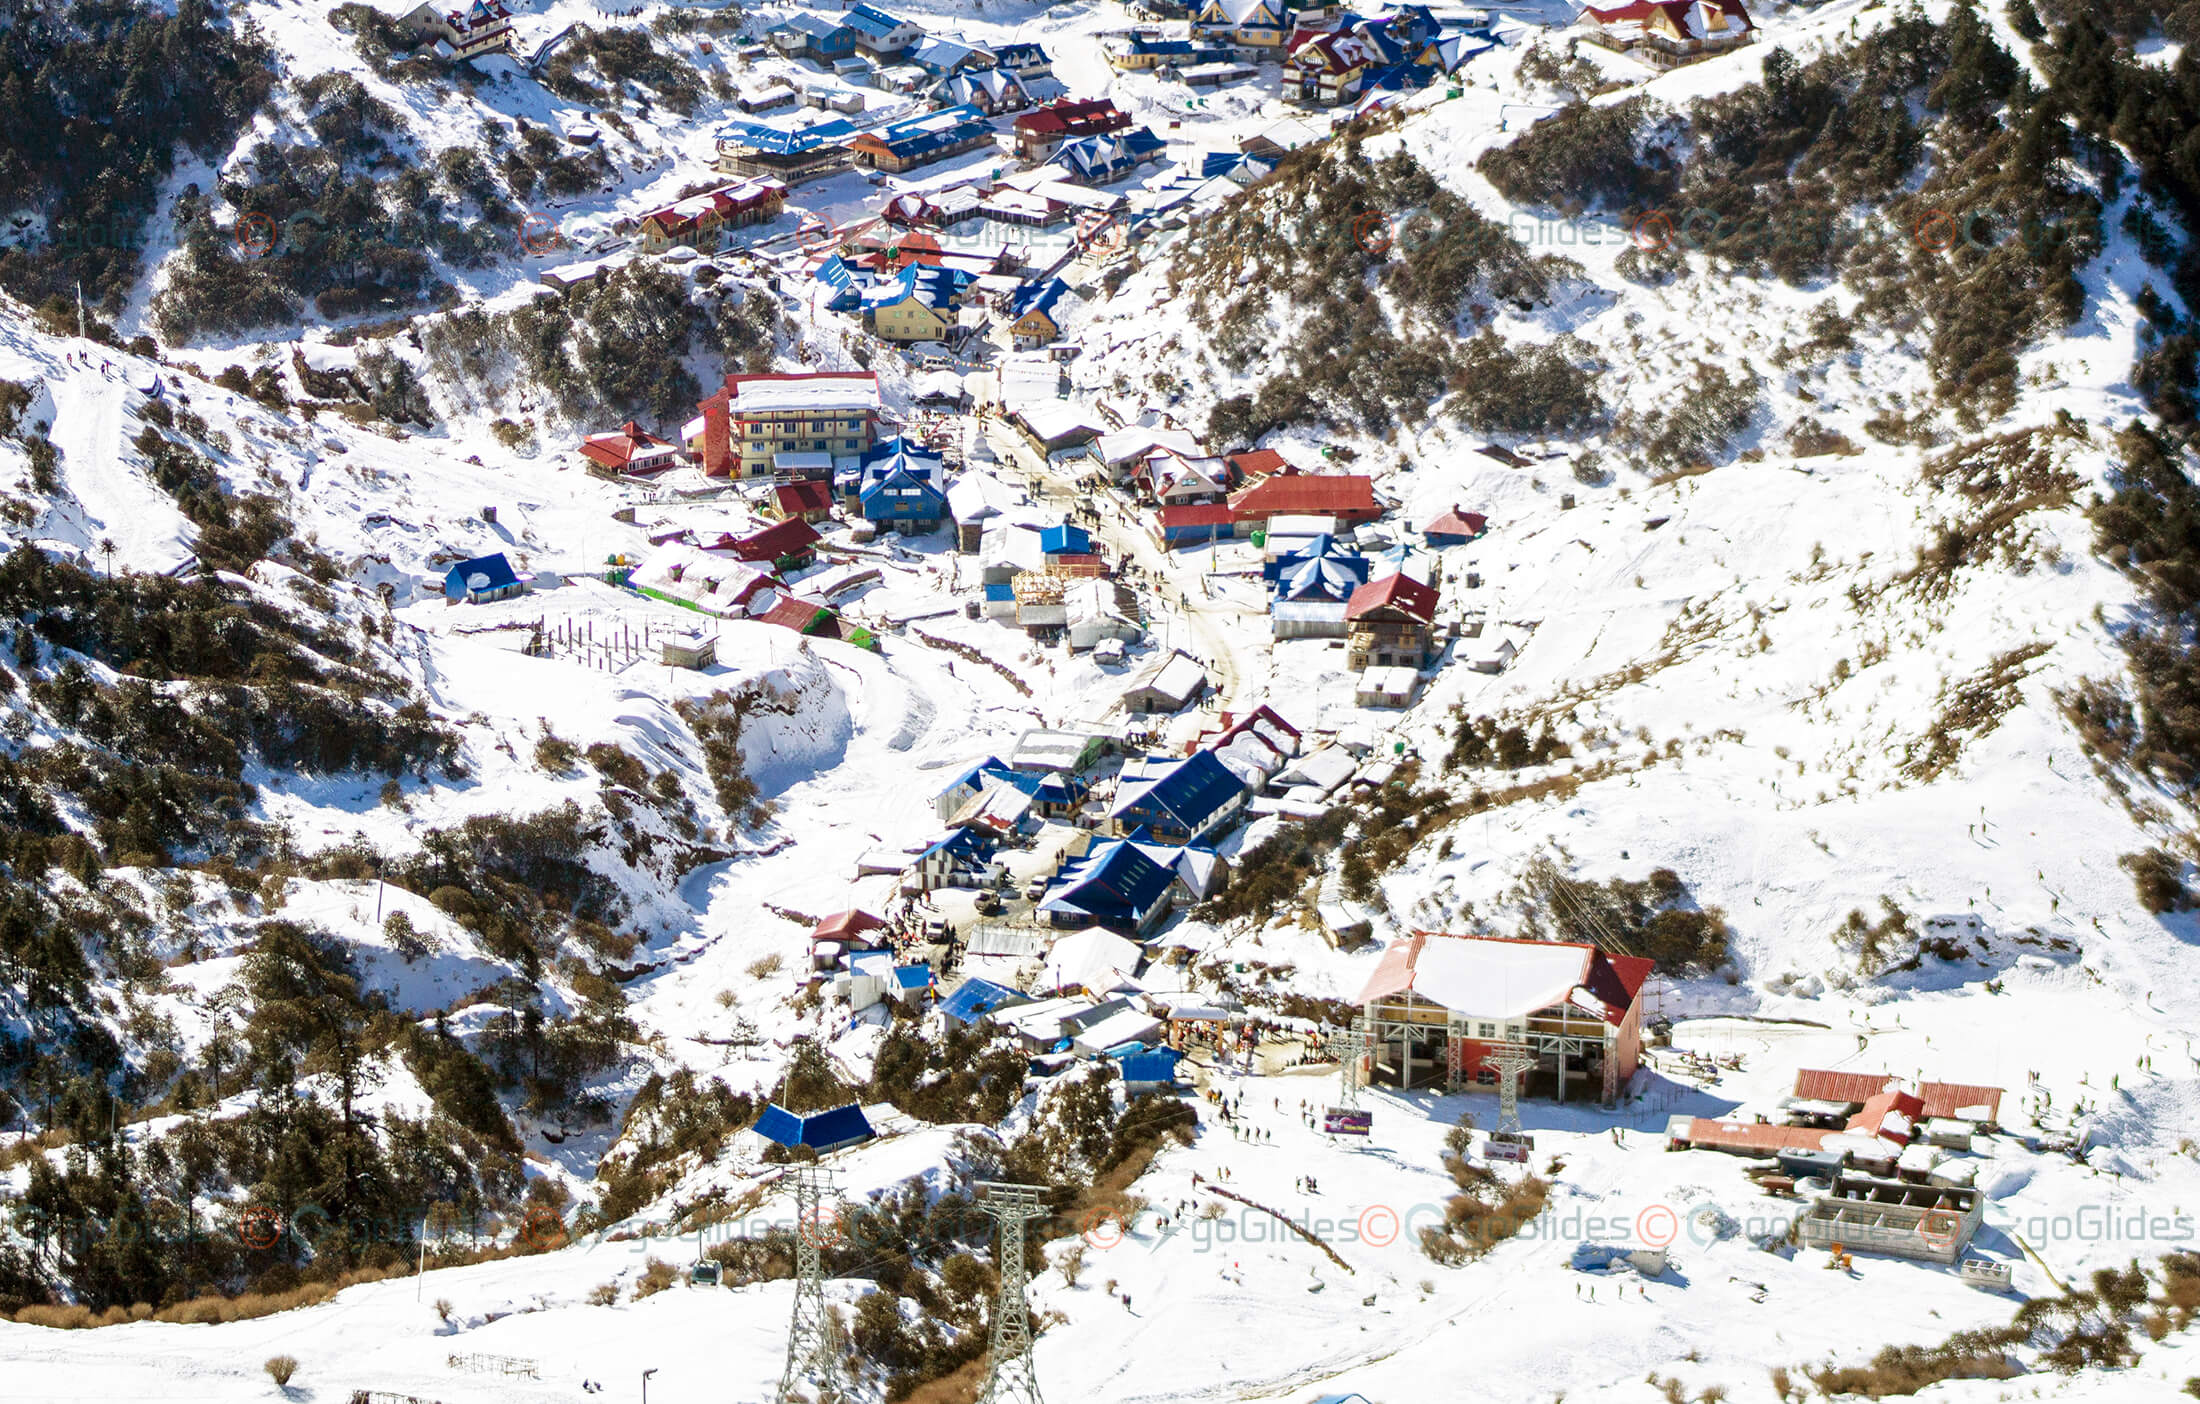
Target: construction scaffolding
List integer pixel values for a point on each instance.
(1010, 1375)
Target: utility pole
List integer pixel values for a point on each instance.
(1010, 1375)
(813, 1348)
(1352, 1047)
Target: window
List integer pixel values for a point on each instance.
(1486, 1031)
(1485, 1077)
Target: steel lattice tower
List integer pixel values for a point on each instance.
(1352, 1047)
(1010, 1375)
(1510, 1061)
(813, 1344)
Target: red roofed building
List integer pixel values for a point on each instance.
(630, 449)
(1390, 623)
(845, 926)
(802, 616)
(1455, 528)
(700, 221)
(810, 500)
(1438, 1005)
(1669, 33)
(1348, 497)
(1262, 724)
(1038, 132)
(1196, 522)
(1256, 463)
(787, 545)
(1854, 1091)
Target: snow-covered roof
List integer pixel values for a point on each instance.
(825, 390)
(1324, 769)
(713, 583)
(1483, 979)
(1179, 679)
(1094, 960)
(1123, 1026)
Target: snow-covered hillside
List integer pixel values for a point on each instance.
(322, 888)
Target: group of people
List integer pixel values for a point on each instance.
(82, 360)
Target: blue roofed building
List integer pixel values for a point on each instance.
(1319, 547)
(819, 1131)
(1198, 797)
(963, 858)
(879, 33)
(1105, 159)
(912, 983)
(941, 57)
(1025, 60)
(968, 786)
(1323, 570)
(991, 90)
(1145, 1069)
(1116, 886)
(974, 998)
(481, 579)
(1035, 312)
(804, 35)
(922, 139)
(897, 487)
(787, 153)
(916, 304)
(1065, 539)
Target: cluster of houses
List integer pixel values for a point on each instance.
(1098, 846)
(866, 45)
(1329, 56)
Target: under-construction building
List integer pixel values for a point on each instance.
(1439, 1007)
(1901, 1218)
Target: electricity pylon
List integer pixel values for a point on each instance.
(1352, 1047)
(813, 1344)
(1010, 1375)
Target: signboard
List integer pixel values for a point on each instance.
(1338, 1121)
(1507, 1150)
